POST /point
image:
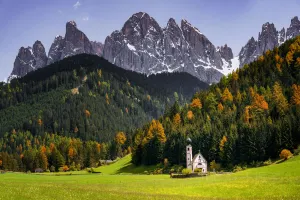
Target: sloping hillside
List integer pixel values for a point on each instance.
(87, 97)
(247, 118)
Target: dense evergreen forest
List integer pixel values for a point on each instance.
(58, 115)
(87, 93)
(248, 117)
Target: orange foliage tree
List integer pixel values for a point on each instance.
(190, 115)
(1, 163)
(285, 154)
(220, 107)
(98, 147)
(196, 103)
(177, 120)
(87, 113)
(65, 168)
(71, 152)
(222, 143)
(259, 102)
(43, 149)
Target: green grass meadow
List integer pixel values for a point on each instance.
(119, 181)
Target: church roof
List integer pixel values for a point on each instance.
(197, 156)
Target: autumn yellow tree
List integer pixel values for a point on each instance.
(87, 113)
(76, 129)
(1, 163)
(65, 168)
(177, 120)
(296, 94)
(285, 154)
(259, 102)
(98, 147)
(190, 115)
(247, 114)
(43, 149)
(120, 138)
(222, 143)
(220, 107)
(279, 99)
(52, 147)
(227, 96)
(71, 152)
(196, 103)
(156, 129)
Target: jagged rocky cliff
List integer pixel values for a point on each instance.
(143, 46)
(74, 42)
(268, 38)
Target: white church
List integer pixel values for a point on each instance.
(196, 162)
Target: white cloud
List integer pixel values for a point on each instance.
(76, 5)
(85, 19)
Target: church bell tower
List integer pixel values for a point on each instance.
(189, 154)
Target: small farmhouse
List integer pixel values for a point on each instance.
(196, 162)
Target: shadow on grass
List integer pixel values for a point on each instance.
(130, 168)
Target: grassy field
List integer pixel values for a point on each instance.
(278, 181)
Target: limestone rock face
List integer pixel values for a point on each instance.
(75, 42)
(268, 39)
(294, 28)
(97, 48)
(143, 46)
(29, 59)
(226, 53)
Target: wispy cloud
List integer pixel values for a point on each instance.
(76, 5)
(85, 18)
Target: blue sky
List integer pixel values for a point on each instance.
(222, 21)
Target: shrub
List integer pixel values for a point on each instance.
(48, 171)
(237, 168)
(197, 170)
(214, 166)
(285, 154)
(267, 162)
(297, 151)
(186, 171)
(65, 168)
(72, 167)
(158, 171)
(52, 168)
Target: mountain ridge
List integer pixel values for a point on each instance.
(144, 46)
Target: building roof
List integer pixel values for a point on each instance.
(197, 156)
